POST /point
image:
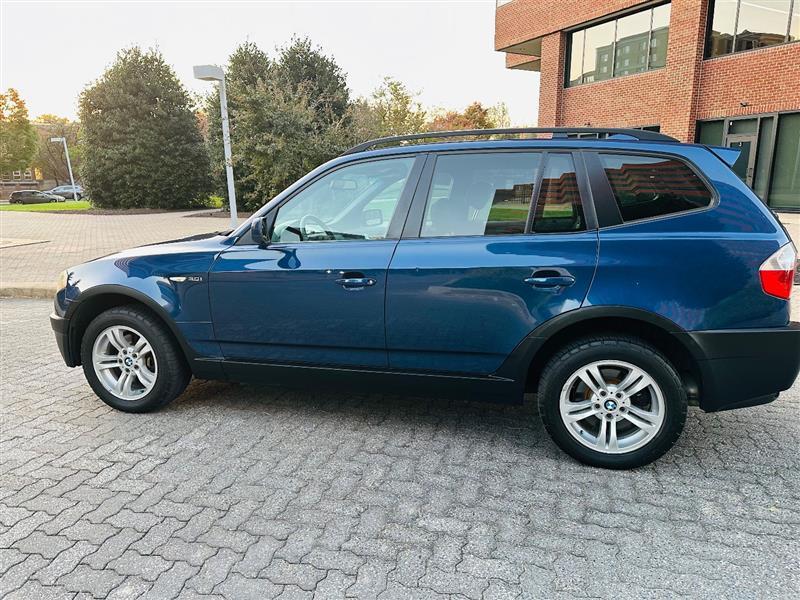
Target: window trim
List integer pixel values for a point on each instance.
(615, 17)
(608, 200)
(733, 52)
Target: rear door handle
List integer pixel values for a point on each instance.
(354, 283)
(550, 278)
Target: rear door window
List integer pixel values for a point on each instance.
(651, 186)
(480, 194)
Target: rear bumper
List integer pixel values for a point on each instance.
(60, 327)
(746, 367)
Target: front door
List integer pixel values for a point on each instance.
(483, 272)
(745, 165)
(315, 293)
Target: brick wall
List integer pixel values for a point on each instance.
(768, 80)
(688, 88)
(523, 20)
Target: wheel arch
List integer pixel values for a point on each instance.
(101, 298)
(532, 354)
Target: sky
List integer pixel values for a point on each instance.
(49, 51)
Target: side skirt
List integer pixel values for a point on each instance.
(372, 381)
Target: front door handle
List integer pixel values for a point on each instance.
(354, 283)
(550, 278)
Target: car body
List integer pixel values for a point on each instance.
(68, 192)
(33, 197)
(615, 277)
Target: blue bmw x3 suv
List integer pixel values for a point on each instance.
(619, 278)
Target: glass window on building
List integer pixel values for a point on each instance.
(630, 44)
(769, 160)
(784, 191)
(739, 25)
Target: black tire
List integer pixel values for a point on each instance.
(614, 348)
(173, 373)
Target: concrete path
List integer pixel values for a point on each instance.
(36, 247)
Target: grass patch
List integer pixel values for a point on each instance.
(48, 206)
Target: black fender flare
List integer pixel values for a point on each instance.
(518, 362)
(73, 314)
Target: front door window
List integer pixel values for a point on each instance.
(356, 202)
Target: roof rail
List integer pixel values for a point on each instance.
(558, 132)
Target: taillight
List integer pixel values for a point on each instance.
(777, 272)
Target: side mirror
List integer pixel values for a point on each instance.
(261, 229)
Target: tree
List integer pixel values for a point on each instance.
(17, 135)
(398, 110)
(475, 116)
(50, 158)
(140, 141)
(323, 82)
(286, 116)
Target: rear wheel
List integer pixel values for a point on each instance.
(612, 402)
(131, 360)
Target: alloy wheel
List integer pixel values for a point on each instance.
(124, 362)
(612, 406)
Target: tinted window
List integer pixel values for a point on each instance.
(631, 44)
(558, 207)
(356, 202)
(480, 194)
(648, 186)
(738, 25)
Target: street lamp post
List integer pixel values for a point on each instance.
(215, 73)
(69, 165)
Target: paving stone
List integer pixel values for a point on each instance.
(236, 491)
(16, 576)
(96, 582)
(170, 583)
(241, 587)
(65, 562)
(214, 571)
(49, 546)
(303, 576)
(143, 566)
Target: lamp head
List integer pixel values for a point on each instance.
(209, 73)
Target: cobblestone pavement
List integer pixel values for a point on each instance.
(74, 238)
(239, 492)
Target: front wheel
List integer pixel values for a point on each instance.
(612, 402)
(131, 361)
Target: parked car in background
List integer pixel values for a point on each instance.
(619, 279)
(33, 197)
(68, 192)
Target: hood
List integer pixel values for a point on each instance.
(203, 243)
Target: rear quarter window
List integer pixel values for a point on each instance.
(652, 186)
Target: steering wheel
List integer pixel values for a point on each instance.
(311, 219)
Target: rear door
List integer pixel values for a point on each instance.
(496, 243)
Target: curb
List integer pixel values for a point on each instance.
(28, 290)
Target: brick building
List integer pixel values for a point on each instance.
(722, 72)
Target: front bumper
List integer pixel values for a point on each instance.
(746, 367)
(60, 327)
